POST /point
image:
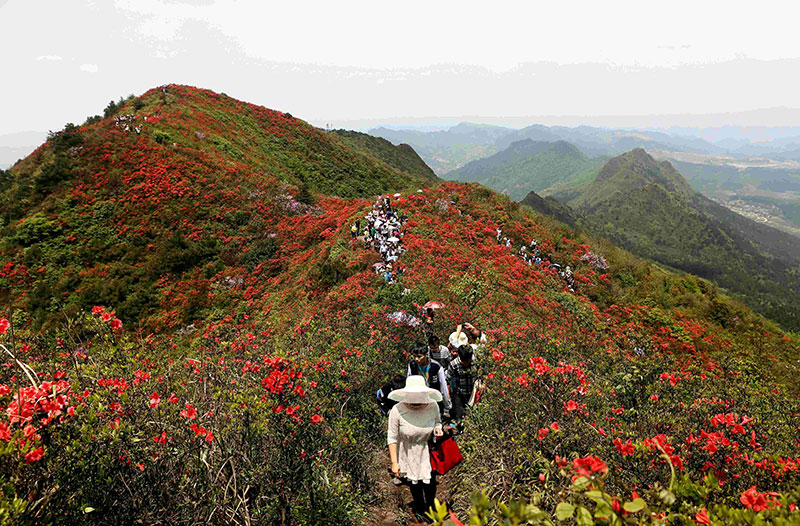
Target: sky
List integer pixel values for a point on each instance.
(359, 63)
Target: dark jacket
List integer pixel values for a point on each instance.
(384, 403)
(433, 373)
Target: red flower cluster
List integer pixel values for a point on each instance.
(625, 448)
(588, 466)
(34, 408)
(759, 501)
(109, 317)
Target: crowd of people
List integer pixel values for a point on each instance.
(428, 403)
(428, 399)
(383, 230)
(532, 255)
(128, 122)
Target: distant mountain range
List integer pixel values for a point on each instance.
(718, 163)
(448, 150)
(527, 166)
(647, 207)
(16, 146)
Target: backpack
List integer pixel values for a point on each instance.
(433, 373)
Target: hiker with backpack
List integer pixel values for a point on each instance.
(412, 422)
(433, 373)
(461, 380)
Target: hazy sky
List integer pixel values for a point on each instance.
(349, 63)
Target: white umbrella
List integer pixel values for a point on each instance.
(392, 240)
(397, 195)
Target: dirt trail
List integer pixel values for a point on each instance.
(392, 507)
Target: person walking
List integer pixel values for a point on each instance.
(438, 352)
(412, 422)
(461, 379)
(476, 337)
(433, 372)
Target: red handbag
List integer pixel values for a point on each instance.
(445, 455)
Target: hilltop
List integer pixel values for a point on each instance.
(204, 339)
(647, 207)
(171, 189)
(527, 166)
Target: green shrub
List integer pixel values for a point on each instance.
(161, 137)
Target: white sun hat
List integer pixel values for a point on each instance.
(416, 392)
(457, 340)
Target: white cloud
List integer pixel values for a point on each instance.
(361, 59)
(51, 58)
(365, 33)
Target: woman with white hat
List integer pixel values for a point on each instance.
(411, 423)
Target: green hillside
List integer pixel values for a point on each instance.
(551, 207)
(403, 157)
(648, 208)
(527, 166)
(194, 337)
(103, 214)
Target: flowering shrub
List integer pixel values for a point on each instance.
(189, 340)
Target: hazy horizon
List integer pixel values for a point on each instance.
(516, 63)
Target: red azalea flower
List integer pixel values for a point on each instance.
(625, 448)
(586, 466)
(97, 310)
(701, 517)
(572, 405)
(4, 325)
(5, 432)
(190, 412)
(317, 418)
(758, 501)
(34, 455)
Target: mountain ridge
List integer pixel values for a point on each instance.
(526, 166)
(198, 337)
(648, 207)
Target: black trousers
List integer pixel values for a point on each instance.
(423, 495)
(460, 402)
